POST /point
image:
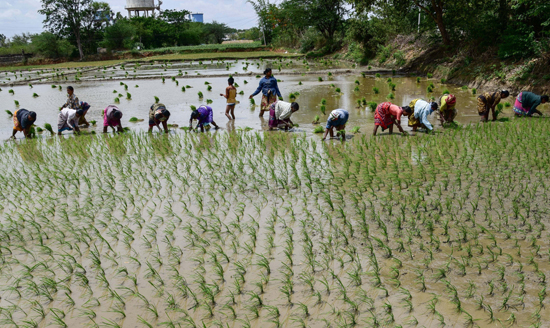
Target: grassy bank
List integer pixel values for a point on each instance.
(167, 57)
(463, 65)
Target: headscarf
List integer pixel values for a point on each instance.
(451, 100)
(334, 115)
(26, 118)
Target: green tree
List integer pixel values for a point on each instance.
(94, 25)
(50, 45)
(67, 14)
(119, 35)
(216, 31)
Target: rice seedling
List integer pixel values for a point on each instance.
(430, 75)
(156, 99)
(10, 114)
(35, 95)
(376, 90)
(320, 79)
(474, 91)
(16, 102)
(378, 75)
(200, 95)
(11, 91)
(391, 96)
(372, 105)
(355, 130)
(117, 100)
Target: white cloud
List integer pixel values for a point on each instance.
(19, 16)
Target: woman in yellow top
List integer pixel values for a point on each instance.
(230, 95)
(447, 111)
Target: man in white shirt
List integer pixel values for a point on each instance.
(68, 120)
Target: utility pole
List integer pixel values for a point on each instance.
(419, 16)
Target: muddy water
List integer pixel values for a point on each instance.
(101, 93)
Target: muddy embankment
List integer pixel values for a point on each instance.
(463, 66)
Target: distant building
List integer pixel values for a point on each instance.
(134, 7)
(197, 18)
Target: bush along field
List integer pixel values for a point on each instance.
(247, 229)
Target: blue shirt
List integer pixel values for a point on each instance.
(343, 116)
(266, 85)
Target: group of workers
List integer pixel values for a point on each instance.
(387, 114)
(72, 115)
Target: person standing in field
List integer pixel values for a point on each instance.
(269, 89)
(111, 118)
(231, 96)
(158, 114)
(337, 120)
(488, 102)
(22, 122)
(447, 110)
(387, 115)
(527, 103)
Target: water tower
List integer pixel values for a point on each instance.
(134, 7)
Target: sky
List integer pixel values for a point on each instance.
(19, 16)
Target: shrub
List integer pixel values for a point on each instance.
(50, 46)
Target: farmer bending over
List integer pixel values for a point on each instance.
(22, 122)
(337, 120)
(158, 114)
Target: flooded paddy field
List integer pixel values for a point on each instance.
(260, 229)
(268, 229)
(133, 88)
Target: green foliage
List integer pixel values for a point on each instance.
(318, 129)
(119, 35)
(518, 41)
(51, 46)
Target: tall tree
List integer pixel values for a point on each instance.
(67, 14)
(435, 10)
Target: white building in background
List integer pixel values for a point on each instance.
(134, 7)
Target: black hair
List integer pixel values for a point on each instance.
(166, 113)
(32, 115)
(407, 109)
(117, 114)
(505, 93)
(195, 114)
(295, 106)
(80, 112)
(545, 98)
(435, 105)
(70, 88)
(267, 70)
(231, 80)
